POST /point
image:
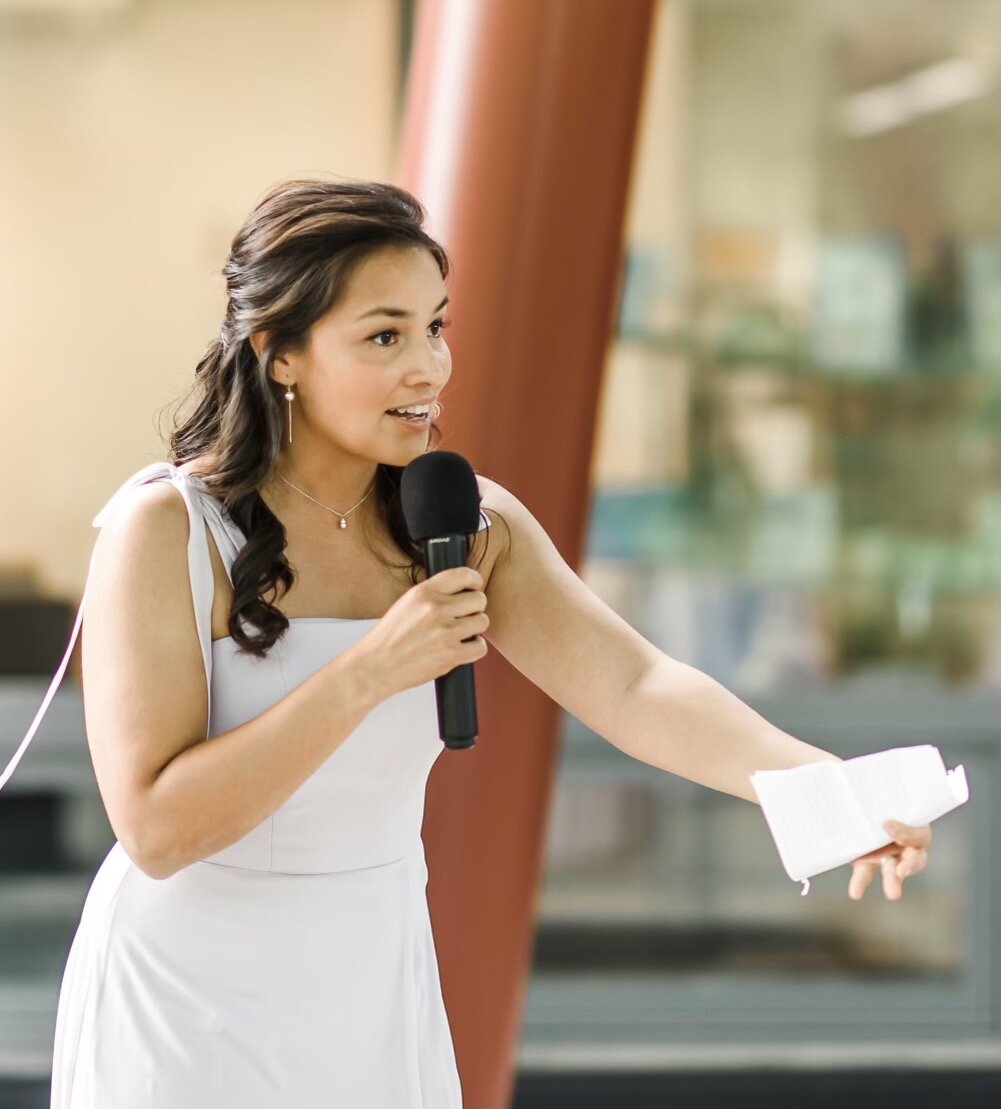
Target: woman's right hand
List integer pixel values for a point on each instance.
(434, 627)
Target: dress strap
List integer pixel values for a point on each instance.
(202, 509)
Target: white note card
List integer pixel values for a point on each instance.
(826, 814)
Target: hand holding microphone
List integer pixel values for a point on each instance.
(435, 629)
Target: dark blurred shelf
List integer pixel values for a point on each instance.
(750, 1086)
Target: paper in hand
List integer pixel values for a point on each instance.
(826, 814)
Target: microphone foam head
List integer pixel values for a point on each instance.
(439, 495)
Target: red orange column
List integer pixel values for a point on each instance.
(518, 138)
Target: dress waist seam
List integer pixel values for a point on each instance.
(307, 873)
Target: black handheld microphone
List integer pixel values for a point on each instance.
(441, 506)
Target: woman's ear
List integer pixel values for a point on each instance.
(257, 341)
(280, 364)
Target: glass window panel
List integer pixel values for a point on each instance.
(795, 480)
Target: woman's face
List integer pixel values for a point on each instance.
(380, 347)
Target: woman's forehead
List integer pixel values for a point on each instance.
(400, 277)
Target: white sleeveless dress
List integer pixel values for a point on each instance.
(295, 969)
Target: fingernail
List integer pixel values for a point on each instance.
(891, 826)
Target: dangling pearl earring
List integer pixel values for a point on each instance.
(289, 396)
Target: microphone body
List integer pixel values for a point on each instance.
(441, 506)
(455, 692)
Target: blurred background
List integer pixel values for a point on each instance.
(795, 489)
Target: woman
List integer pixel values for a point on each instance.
(258, 935)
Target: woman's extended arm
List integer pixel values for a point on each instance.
(561, 636)
(680, 719)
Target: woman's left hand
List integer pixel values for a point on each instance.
(907, 855)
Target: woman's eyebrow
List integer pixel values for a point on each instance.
(383, 311)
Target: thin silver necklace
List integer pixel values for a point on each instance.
(343, 515)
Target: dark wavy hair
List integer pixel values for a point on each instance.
(287, 266)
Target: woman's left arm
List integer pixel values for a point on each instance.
(560, 635)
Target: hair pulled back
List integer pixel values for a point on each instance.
(288, 265)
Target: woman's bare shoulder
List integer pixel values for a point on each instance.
(493, 496)
(492, 542)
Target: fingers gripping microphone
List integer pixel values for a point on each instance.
(441, 507)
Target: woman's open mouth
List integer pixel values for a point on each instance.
(413, 421)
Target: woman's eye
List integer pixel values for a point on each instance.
(439, 323)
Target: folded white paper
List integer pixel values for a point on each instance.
(826, 814)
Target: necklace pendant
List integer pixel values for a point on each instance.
(343, 522)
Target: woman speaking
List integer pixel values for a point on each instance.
(258, 935)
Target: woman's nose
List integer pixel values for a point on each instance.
(436, 371)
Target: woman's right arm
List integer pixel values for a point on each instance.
(172, 798)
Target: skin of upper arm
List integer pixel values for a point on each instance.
(144, 688)
(549, 625)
